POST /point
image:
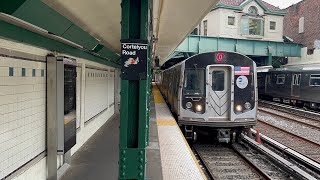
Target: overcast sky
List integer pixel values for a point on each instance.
(282, 3)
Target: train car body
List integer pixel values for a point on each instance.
(215, 90)
(292, 85)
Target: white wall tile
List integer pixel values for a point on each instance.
(22, 113)
(96, 94)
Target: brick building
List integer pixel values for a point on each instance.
(302, 24)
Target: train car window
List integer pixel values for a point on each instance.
(294, 80)
(268, 79)
(194, 80)
(218, 80)
(281, 79)
(314, 80)
(298, 79)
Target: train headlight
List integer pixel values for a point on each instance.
(247, 105)
(199, 108)
(239, 108)
(189, 105)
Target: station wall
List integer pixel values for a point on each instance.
(23, 107)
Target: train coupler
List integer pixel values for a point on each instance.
(224, 135)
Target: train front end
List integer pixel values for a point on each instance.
(220, 93)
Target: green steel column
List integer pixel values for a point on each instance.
(134, 101)
(269, 63)
(149, 80)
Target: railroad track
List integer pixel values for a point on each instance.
(300, 144)
(250, 160)
(224, 162)
(306, 169)
(311, 114)
(312, 123)
(295, 157)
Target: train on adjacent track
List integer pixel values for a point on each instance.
(213, 93)
(296, 85)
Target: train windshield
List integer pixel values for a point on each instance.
(194, 82)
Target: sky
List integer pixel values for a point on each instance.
(282, 3)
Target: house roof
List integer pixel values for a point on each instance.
(271, 7)
(241, 2)
(231, 2)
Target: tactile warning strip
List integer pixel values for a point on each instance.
(178, 161)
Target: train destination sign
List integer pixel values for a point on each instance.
(134, 58)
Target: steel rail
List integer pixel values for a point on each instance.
(251, 164)
(293, 110)
(294, 120)
(210, 173)
(306, 161)
(286, 165)
(295, 135)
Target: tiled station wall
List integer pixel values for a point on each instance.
(22, 112)
(23, 109)
(96, 97)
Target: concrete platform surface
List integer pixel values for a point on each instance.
(178, 160)
(169, 156)
(98, 157)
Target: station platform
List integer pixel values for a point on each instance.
(168, 154)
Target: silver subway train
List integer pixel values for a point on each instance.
(213, 93)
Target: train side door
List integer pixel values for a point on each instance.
(218, 92)
(295, 85)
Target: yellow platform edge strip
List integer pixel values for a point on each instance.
(172, 122)
(157, 95)
(166, 122)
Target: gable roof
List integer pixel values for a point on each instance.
(271, 7)
(231, 2)
(239, 4)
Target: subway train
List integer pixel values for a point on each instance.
(296, 85)
(213, 93)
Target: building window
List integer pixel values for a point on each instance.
(280, 79)
(10, 71)
(272, 25)
(301, 25)
(195, 31)
(42, 72)
(23, 72)
(252, 26)
(253, 10)
(314, 80)
(205, 28)
(310, 51)
(231, 20)
(33, 72)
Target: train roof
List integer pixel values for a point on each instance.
(205, 53)
(300, 68)
(264, 68)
